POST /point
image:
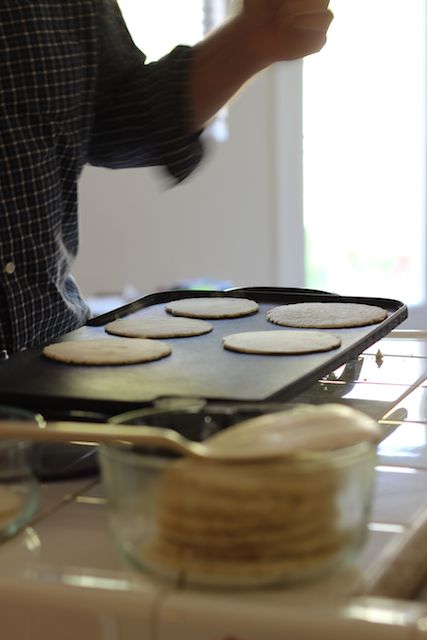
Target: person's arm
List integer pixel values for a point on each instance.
(142, 112)
(152, 114)
(263, 32)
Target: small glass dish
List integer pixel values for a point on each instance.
(19, 488)
(234, 525)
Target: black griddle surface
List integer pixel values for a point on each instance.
(198, 367)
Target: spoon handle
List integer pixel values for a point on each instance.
(96, 432)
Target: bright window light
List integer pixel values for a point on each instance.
(365, 152)
(158, 26)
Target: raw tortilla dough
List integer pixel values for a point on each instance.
(281, 342)
(158, 327)
(215, 307)
(326, 315)
(107, 351)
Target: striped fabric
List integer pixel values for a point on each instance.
(74, 90)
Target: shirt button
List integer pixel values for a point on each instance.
(9, 268)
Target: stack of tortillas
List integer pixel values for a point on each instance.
(255, 523)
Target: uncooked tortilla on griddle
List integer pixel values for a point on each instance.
(326, 315)
(278, 342)
(107, 351)
(158, 327)
(212, 308)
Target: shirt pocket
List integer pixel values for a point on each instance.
(41, 68)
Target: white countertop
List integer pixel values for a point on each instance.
(62, 578)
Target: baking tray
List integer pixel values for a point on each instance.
(198, 367)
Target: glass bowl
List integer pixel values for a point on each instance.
(234, 524)
(19, 488)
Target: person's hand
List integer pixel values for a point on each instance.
(259, 33)
(285, 29)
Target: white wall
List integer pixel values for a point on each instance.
(220, 223)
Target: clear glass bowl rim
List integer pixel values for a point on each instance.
(342, 457)
(9, 411)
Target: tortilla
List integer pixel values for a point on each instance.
(326, 315)
(254, 522)
(215, 307)
(107, 351)
(281, 342)
(158, 327)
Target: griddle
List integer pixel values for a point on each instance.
(199, 367)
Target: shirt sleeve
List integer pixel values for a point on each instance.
(142, 111)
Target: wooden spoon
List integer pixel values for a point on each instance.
(269, 436)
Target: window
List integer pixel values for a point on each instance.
(364, 166)
(351, 160)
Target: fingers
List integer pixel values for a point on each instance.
(304, 25)
(290, 8)
(312, 15)
(297, 7)
(312, 21)
(302, 44)
(309, 42)
(286, 29)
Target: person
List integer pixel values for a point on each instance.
(75, 90)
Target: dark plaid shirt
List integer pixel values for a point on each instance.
(73, 90)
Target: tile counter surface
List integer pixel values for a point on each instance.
(62, 578)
